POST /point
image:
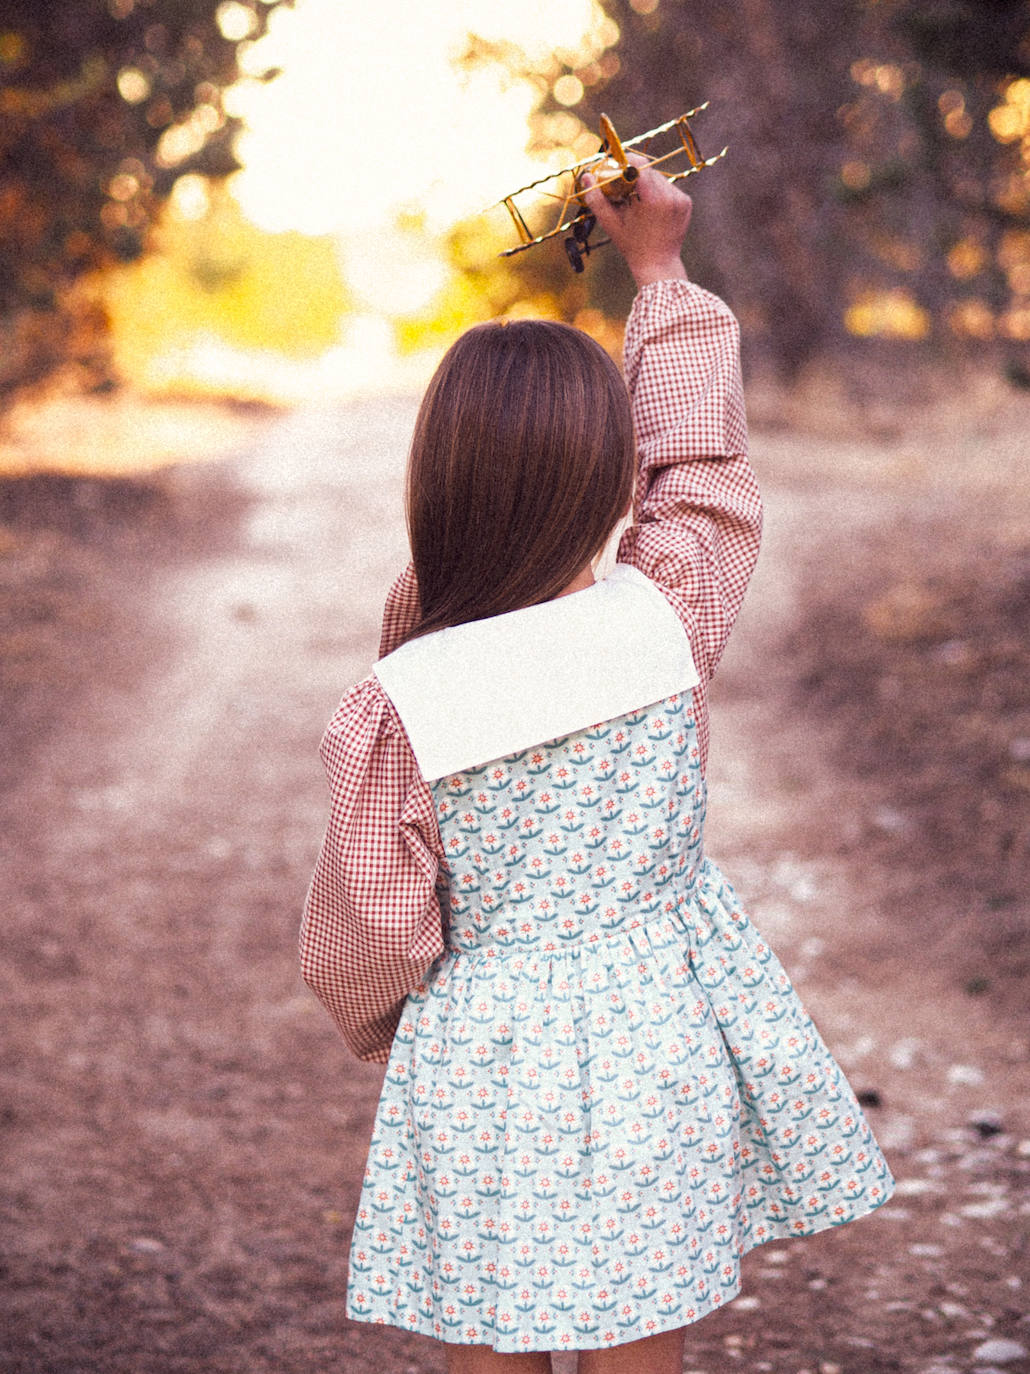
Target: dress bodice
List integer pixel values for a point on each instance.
(584, 836)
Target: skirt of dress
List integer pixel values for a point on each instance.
(575, 1146)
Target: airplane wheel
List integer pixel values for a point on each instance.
(584, 227)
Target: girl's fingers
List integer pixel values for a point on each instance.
(598, 203)
(648, 229)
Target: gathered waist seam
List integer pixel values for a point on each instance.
(546, 944)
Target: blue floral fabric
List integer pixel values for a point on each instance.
(607, 1090)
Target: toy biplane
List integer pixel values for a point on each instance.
(613, 173)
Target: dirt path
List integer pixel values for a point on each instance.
(183, 1135)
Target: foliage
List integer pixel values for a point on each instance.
(219, 277)
(481, 286)
(878, 180)
(104, 105)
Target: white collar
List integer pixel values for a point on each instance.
(480, 691)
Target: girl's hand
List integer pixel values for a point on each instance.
(649, 229)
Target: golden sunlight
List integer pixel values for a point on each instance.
(887, 314)
(371, 117)
(357, 159)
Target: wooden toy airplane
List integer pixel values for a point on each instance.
(613, 173)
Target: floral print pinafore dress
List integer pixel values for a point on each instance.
(606, 1091)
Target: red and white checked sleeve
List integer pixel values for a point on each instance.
(400, 614)
(697, 512)
(372, 921)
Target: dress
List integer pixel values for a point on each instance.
(602, 1089)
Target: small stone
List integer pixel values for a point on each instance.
(828, 1367)
(903, 1054)
(954, 1310)
(986, 1124)
(898, 1131)
(912, 1187)
(869, 1097)
(965, 1075)
(747, 1304)
(146, 1245)
(929, 1156)
(999, 1350)
(983, 1211)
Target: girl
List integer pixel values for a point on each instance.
(601, 1089)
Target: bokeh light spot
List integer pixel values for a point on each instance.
(235, 21)
(12, 49)
(190, 199)
(855, 175)
(973, 319)
(966, 258)
(123, 187)
(133, 85)
(887, 314)
(568, 90)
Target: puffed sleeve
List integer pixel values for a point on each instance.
(698, 512)
(372, 921)
(400, 613)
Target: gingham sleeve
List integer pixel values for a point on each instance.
(372, 922)
(698, 512)
(400, 612)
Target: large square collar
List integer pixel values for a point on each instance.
(489, 688)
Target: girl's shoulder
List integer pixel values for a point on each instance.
(489, 688)
(363, 703)
(364, 723)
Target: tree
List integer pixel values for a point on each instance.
(945, 177)
(871, 162)
(104, 104)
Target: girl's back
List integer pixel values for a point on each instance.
(601, 1089)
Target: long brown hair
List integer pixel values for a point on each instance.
(521, 464)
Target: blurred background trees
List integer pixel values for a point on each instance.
(104, 105)
(878, 183)
(876, 194)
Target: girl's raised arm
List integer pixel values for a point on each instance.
(697, 510)
(698, 513)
